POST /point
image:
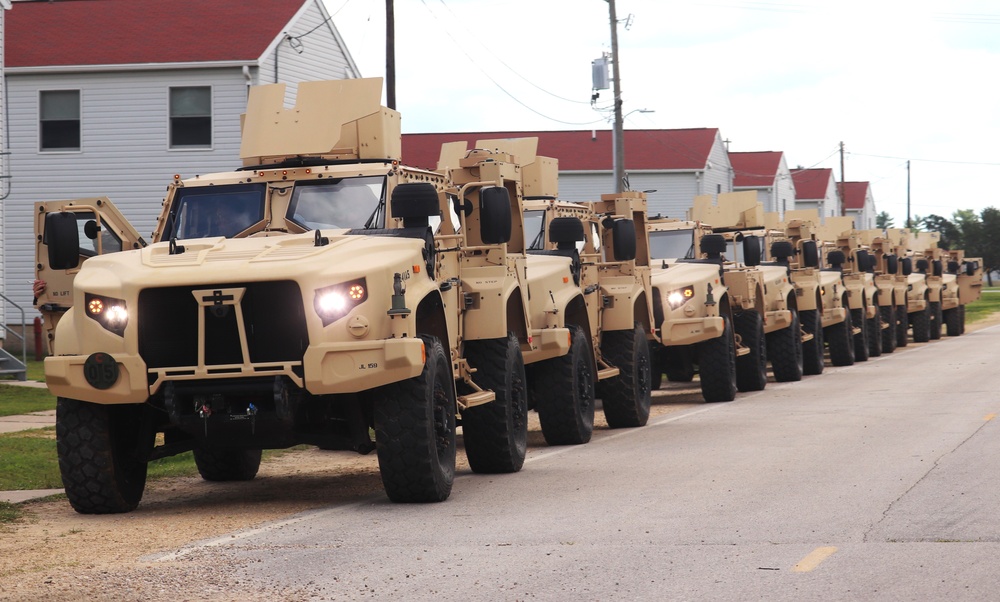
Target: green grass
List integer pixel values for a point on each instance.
(9, 513)
(988, 304)
(28, 460)
(15, 400)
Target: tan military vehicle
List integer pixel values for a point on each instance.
(920, 312)
(314, 295)
(563, 357)
(891, 284)
(969, 275)
(819, 292)
(698, 298)
(739, 217)
(845, 253)
(614, 279)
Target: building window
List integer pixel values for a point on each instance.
(191, 117)
(59, 120)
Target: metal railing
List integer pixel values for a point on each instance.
(22, 336)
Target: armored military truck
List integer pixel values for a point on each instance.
(739, 217)
(614, 277)
(314, 295)
(560, 345)
(845, 254)
(696, 301)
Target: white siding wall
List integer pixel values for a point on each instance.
(124, 154)
(673, 196)
(322, 57)
(4, 180)
(784, 189)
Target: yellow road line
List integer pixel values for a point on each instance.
(814, 559)
(989, 417)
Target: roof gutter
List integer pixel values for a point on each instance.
(239, 64)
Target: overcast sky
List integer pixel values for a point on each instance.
(893, 80)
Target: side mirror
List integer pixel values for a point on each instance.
(781, 250)
(494, 215)
(907, 263)
(937, 267)
(63, 240)
(864, 263)
(922, 266)
(713, 245)
(91, 230)
(891, 264)
(835, 259)
(414, 202)
(623, 232)
(751, 250)
(810, 254)
(971, 267)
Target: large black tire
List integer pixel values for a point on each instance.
(415, 431)
(751, 368)
(563, 393)
(935, 320)
(216, 464)
(841, 342)
(961, 319)
(861, 339)
(873, 326)
(496, 433)
(717, 365)
(812, 351)
(656, 369)
(902, 326)
(921, 322)
(677, 364)
(103, 452)
(626, 398)
(953, 321)
(888, 315)
(784, 350)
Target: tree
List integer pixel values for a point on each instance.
(883, 220)
(951, 236)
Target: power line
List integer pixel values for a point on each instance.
(497, 84)
(924, 160)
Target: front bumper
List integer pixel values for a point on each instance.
(688, 331)
(328, 368)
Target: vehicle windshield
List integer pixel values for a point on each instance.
(671, 244)
(344, 203)
(534, 222)
(206, 211)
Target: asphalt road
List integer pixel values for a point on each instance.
(872, 482)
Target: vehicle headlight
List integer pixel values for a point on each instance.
(108, 312)
(680, 296)
(334, 302)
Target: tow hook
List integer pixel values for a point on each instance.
(204, 412)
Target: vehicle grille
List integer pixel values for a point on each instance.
(273, 320)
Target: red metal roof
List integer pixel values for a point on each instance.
(812, 183)
(118, 32)
(585, 150)
(853, 193)
(755, 169)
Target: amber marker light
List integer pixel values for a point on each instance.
(416, 268)
(96, 306)
(356, 292)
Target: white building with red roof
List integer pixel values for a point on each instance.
(815, 188)
(113, 97)
(766, 173)
(858, 203)
(675, 165)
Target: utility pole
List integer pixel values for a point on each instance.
(618, 134)
(908, 224)
(843, 182)
(390, 55)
